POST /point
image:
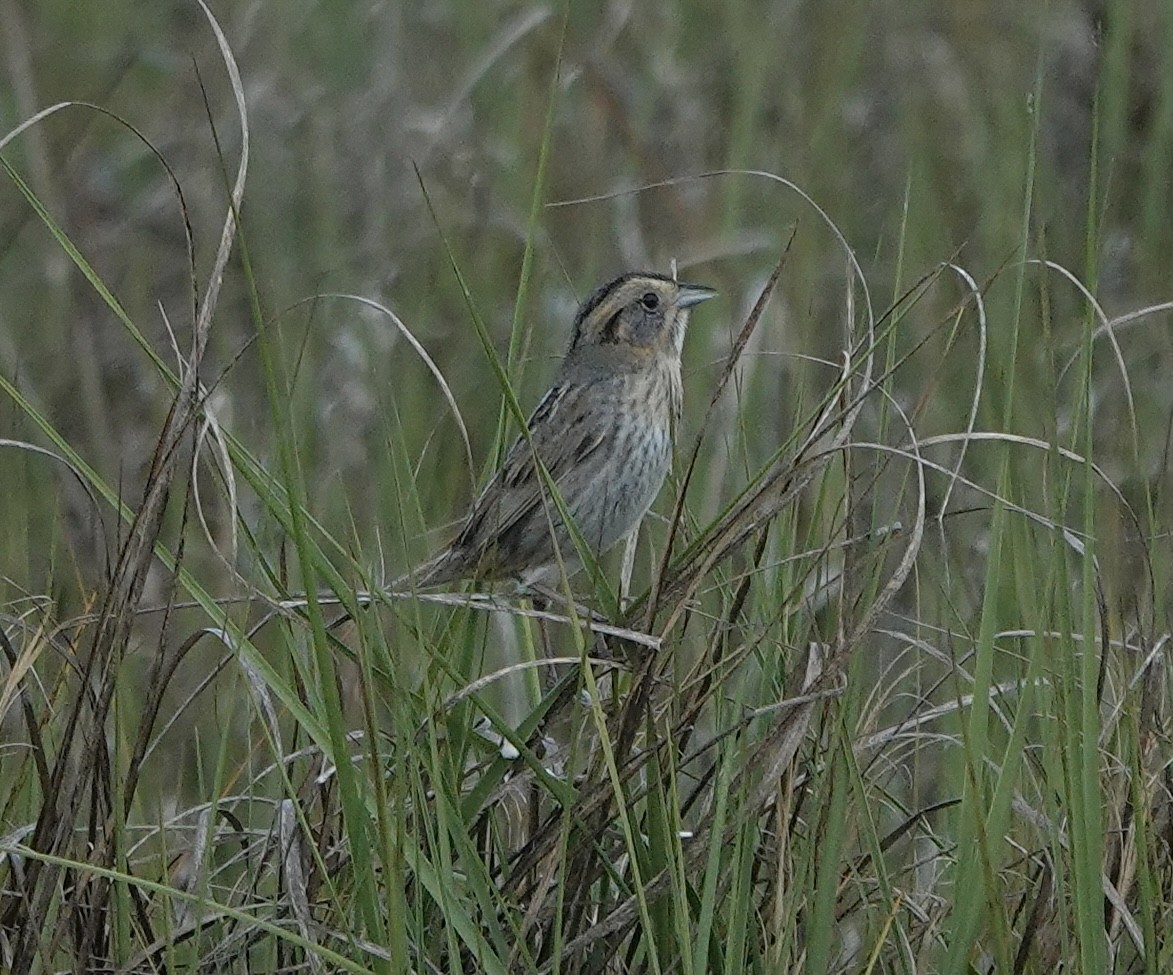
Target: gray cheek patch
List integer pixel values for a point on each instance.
(648, 327)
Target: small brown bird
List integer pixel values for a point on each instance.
(603, 432)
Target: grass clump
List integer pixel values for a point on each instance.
(888, 692)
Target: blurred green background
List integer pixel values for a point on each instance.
(986, 136)
(963, 132)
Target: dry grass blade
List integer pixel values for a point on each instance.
(779, 749)
(508, 37)
(18, 665)
(82, 764)
(739, 345)
(430, 364)
(78, 476)
(582, 616)
(785, 480)
(502, 673)
(891, 689)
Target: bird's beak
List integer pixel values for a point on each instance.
(693, 294)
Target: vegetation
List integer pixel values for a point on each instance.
(889, 690)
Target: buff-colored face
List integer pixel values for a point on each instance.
(646, 311)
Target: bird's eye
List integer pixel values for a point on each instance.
(650, 301)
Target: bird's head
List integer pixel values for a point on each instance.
(645, 312)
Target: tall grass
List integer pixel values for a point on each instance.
(888, 691)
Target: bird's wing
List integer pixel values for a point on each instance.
(564, 431)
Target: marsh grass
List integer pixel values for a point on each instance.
(888, 692)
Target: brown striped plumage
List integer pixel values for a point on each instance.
(604, 433)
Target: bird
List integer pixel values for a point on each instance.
(603, 432)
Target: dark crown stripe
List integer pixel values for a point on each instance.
(599, 295)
